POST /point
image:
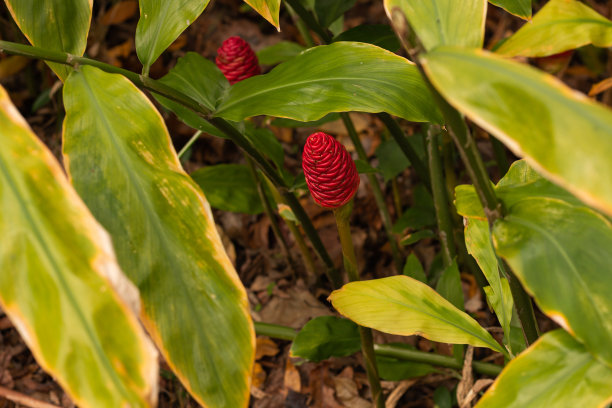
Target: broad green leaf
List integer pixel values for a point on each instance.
(283, 122)
(392, 161)
(326, 336)
(521, 181)
(561, 254)
(404, 306)
(415, 237)
(556, 371)
(442, 397)
(60, 283)
(363, 167)
(328, 11)
(279, 52)
(268, 9)
(119, 156)
(340, 77)
(58, 25)
(520, 8)
(414, 269)
(161, 22)
(442, 22)
(266, 142)
(479, 245)
(562, 134)
(229, 187)
(559, 26)
(449, 286)
(380, 35)
(393, 369)
(421, 214)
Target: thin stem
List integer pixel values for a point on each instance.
(293, 227)
(230, 131)
(343, 215)
(376, 191)
(310, 20)
(388, 350)
(189, 143)
(438, 188)
(522, 302)
(332, 273)
(305, 33)
(270, 213)
(397, 203)
(400, 138)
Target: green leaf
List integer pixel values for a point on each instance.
(392, 161)
(326, 336)
(57, 25)
(328, 11)
(380, 35)
(479, 245)
(161, 22)
(120, 158)
(405, 306)
(363, 167)
(556, 371)
(449, 286)
(559, 26)
(442, 22)
(560, 132)
(415, 237)
(229, 187)
(393, 369)
(60, 283)
(520, 8)
(442, 398)
(339, 77)
(421, 214)
(290, 123)
(561, 253)
(268, 9)
(265, 141)
(279, 52)
(414, 269)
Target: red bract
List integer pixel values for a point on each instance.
(236, 60)
(330, 171)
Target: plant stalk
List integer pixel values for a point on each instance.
(376, 191)
(388, 350)
(189, 143)
(438, 188)
(400, 138)
(343, 215)
(230, 131)
(270, 213)
(310, 20)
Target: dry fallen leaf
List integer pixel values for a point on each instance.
(11, 65)
(120, 12)
(265, 347)
(259, 376)
(292, 377)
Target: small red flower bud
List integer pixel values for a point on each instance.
(236, 60)
(330, 171)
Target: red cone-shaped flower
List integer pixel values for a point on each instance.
(236, 60)
(330, 171)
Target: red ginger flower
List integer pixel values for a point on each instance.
(330, 171)
(236, 60)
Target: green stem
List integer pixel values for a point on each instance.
(230, 131)
(310, 20)
(270, 213)
(189, 143)
(387, 350)
(400, 138)
(438, 188)
(301, 27)
(343, 215)
(376, 191)
(299, 239)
